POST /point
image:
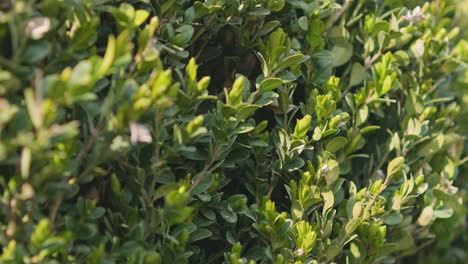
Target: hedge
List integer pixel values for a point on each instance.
(233, 131)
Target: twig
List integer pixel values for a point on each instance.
(79, 159)
(338, 14)
(381, 163)
(157, 154)
(370, 61)
(374, 199)
(196, 180)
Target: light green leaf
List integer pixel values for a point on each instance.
(401, 58)
(140, 17)
(317, 134)
(236, 93)
(303, 23)
(191, 69)
(333, 172)
(444, 212)
(362, 115)
(426, 216)
(368, 129)
(352, 225)
(302, 126)
(329, 200)
(386, 86)
(108, 57)
(41, 233)
(395, 166)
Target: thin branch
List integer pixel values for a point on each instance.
(196, 180)
(79, 159)
(338, 14)
(381, 163)
(370, 61)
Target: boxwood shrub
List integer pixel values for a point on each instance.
(233, 131)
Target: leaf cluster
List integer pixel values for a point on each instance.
(232, 131)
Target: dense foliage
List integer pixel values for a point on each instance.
(232, 131)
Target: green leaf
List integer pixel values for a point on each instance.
(229, 216)
(167, 5)
(414, 103)
(341, 53)
(246, 111)
(393, 219)
(332, 251)
(292, 60)
(381, 26)
(294, 164)
(362, 115)
(258, 143)
(237, 201)
(275, 5)
(199, 234)
(204, 184)
(358, 74)
(383, 39)
(445, 212)
(338, 35)
(268, 27)
(259, 11)
(266, 98)
(244, 128)
(186, 33)
(401, 58)
(303, 23)
(36, 52)
(270, 84)
(336, 144)
(368, 129)
(208, 213)
(193, 154)
(97, 213)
